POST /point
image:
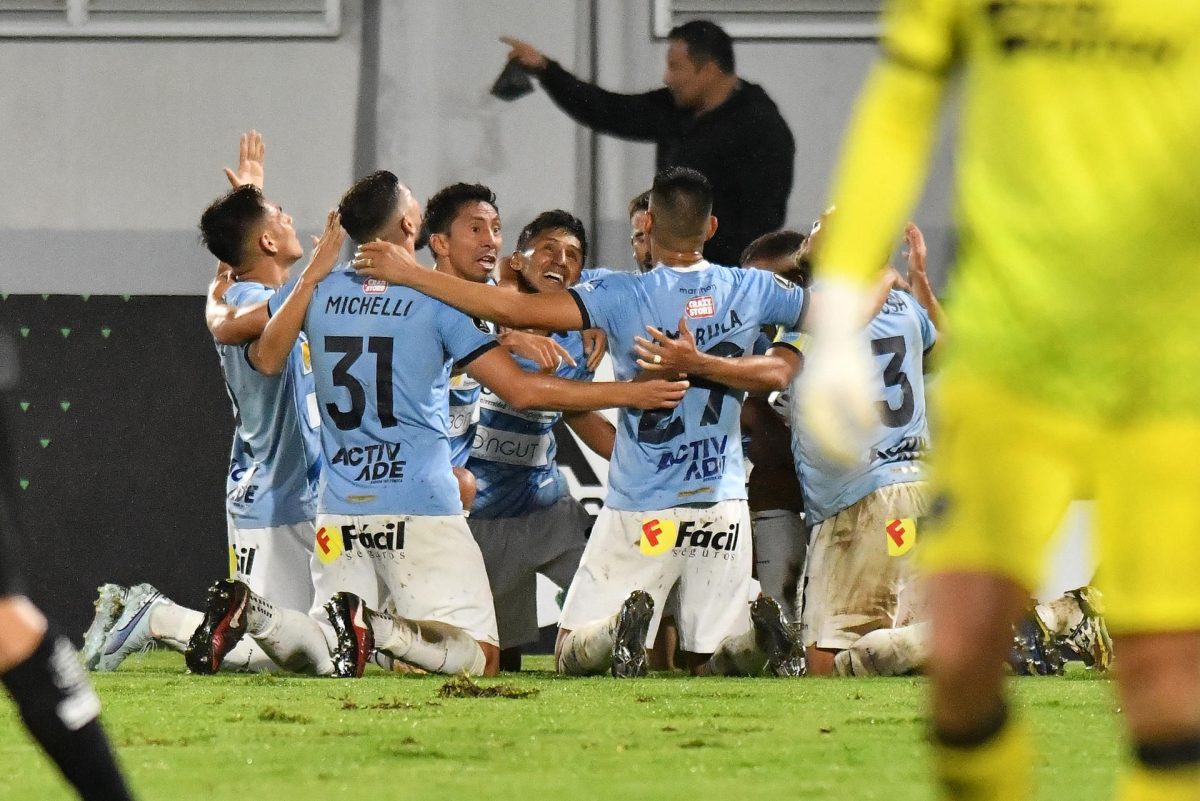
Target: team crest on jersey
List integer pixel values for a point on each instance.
(783, 282)
(374, 286)
(701, 307)
(483, 325)
(658, 536)
(901, 535)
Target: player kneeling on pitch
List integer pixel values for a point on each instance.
(676, 510)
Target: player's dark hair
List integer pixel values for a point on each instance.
(706, 41)
(681, 201)
(639, 203)
(369, 204)
(442, 208)
(229, 220)
(779, 245)
(552, 220)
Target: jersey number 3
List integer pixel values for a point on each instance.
(381, 348)
(893, 376)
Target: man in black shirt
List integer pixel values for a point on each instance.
(706, 118)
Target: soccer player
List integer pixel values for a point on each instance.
(38, 665)
(773, 490)
(676, 508)
(524, 518)
(1074, 318)
(390, 525)
(274, 465)
(864, 517)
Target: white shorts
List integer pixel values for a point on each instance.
(549, 541)
(859, 573)
(419, 567)
(779, 542)
(275, 562)
(707, 550)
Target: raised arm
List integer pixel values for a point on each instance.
(918, 282)
(639, 117)
(232, 325)
(595, 431)
(524, 391)
(679, 355)
(555, 311)
(269, 353)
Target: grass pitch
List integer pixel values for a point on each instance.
(663, 737)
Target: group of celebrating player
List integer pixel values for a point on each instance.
(393, 490)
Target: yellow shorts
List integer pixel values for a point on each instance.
(1005, 469)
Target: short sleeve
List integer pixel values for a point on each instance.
(792, 338)
(249, 293)
(606, 302)
(782, 302)
(463, 338)
(922, 34)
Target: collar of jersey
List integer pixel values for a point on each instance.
(694, 268)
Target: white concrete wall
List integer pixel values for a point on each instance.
(111, 148)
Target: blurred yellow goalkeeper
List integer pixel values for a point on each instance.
(1075, 365)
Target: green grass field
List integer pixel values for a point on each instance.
(664, 737)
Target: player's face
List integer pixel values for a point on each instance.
(640, 241)
(552, 262)
(278, 227)
(473, 244)
(684, 77)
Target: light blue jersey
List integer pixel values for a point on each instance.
(513, 453)
(276, 459)
(692, 454)
(901, 333)
(381, 358)
(464, 417)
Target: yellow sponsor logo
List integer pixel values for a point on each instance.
(330, 544)
(232, 563)
(306, 356)
(658, 536)
(901, 535)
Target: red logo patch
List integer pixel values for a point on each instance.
(701, 307)
(373, 286)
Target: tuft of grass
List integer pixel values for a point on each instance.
(464, 687)
(274, 714)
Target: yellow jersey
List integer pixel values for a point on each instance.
(1077, 191)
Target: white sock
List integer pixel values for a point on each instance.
(588, 649)
(172, 625)
(885, 652)
(296, 641)
(248, 657)
(428, 644)
(738, 655)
